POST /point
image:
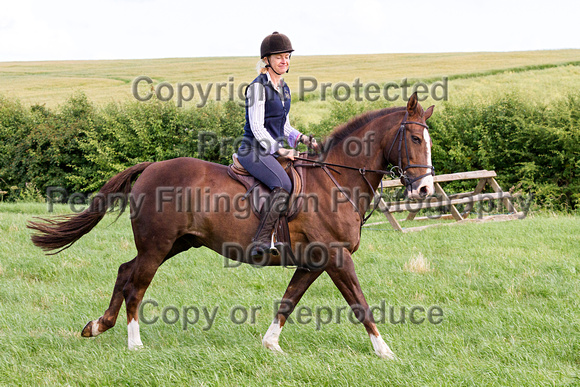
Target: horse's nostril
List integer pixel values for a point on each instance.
(423, 191)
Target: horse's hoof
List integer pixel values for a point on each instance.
(275, 347)
(135, 347)
(389, 355)
(272, 345)
(91, 329)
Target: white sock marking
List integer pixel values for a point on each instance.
(134, 340)
(381, 348)
(270, 339)
(95, 328)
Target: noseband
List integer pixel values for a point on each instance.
(401, 136)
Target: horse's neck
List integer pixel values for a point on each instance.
(371, 140)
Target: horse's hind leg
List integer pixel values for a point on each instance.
(298, 285)
(107, 321)
(144, 270)
(344, 277)
(124, 275)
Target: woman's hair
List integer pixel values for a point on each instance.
(261, 67)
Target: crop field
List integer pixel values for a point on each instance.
(537, 75)
(508, 293)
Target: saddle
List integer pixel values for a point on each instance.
(258, 193)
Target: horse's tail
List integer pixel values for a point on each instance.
(62, 231)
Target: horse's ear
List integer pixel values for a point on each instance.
(429, 112)
(412, 104)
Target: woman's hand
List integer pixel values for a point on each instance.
(310, 142)
(288, 153)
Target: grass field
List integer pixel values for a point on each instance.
(509, 293)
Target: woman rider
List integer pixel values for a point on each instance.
(267, 126)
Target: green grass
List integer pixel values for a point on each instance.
(509, 292)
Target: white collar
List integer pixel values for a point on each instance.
(270, 80)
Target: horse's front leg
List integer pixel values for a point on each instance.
(341, 271)
(298, 285)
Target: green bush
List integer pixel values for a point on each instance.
(39, 146)
(532, 147)
(79, 147)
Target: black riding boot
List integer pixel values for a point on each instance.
(278, 205)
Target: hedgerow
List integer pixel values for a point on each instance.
(533, 147)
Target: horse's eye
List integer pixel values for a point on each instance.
(416, 139)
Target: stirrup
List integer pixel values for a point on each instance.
(259, 252)
(274, 249)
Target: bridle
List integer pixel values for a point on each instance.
(402, 172)
(401, 135)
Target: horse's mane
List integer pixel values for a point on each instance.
(345, 130)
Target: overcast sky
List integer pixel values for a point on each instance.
(133, 29)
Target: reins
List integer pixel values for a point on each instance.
(324, 165)
(405, 180)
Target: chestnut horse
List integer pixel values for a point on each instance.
(167, 221)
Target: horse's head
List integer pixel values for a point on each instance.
(413, 144)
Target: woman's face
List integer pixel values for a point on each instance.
(280, 62)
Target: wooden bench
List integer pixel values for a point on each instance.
(444, 200)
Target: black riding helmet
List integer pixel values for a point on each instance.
(276, 43)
